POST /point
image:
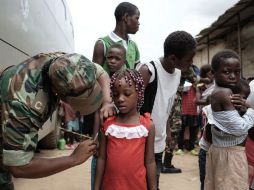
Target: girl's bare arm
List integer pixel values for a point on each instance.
(150, 160)
(101, 161)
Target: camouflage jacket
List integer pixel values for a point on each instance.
(26, 103)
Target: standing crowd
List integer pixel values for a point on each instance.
(138, 114)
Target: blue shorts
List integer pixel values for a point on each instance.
(72, 125)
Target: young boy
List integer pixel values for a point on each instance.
(127, 22)
(174, 122)
(227, 166)
(203, 92)
(116, 58)
(162, 78)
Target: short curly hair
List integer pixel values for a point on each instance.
(221, 56)
(124, 7)
(179, 43)
(204, 70)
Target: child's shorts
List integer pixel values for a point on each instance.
(226, 168)
(72, 125)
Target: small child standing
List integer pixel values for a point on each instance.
(126, 152)
(227, 166)
(203, 92)
(187, 135)
(115, 60)
(71, 123)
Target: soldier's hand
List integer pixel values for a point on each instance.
(107, 110)
(83, 151)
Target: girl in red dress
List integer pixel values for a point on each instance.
(126, 153)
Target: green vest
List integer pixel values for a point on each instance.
(132, 53)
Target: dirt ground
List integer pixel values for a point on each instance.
(78, 178)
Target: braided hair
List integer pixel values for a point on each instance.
(130, 75)
(179, 43)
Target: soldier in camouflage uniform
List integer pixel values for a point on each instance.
(29, 93)
(174, 122)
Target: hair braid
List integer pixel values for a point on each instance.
(131, 75)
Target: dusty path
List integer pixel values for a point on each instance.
(78, 178)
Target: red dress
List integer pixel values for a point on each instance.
(125, 163)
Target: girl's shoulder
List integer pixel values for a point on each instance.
(120, 130)
(221, 92)
(146, 120)
(108, 121)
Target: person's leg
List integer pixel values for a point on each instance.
(158, 161)
(251, 174)
(174, 123)
(93, 171)
(68, 134)
(252, 185)
(193, 137)
(186, 138)
(180, 139)
(5, 176)
(71, 138)
(202, 165)
(168, 167)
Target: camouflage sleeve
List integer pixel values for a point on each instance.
(20, 135)
(18, 146)
(99, 70)
(19, 142)
(191, 76)
(16, 157)
(22, 115)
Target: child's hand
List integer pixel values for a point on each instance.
(107, 110)
(207, 80)
(238, 102)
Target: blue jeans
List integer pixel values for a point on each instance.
(93, 171)
(202, 165)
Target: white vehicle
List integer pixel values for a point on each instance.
(29, 27)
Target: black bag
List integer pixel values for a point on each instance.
(150, 93)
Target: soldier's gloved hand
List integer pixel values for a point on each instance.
(83, 151)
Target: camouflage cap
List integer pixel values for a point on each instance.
(74, 77)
